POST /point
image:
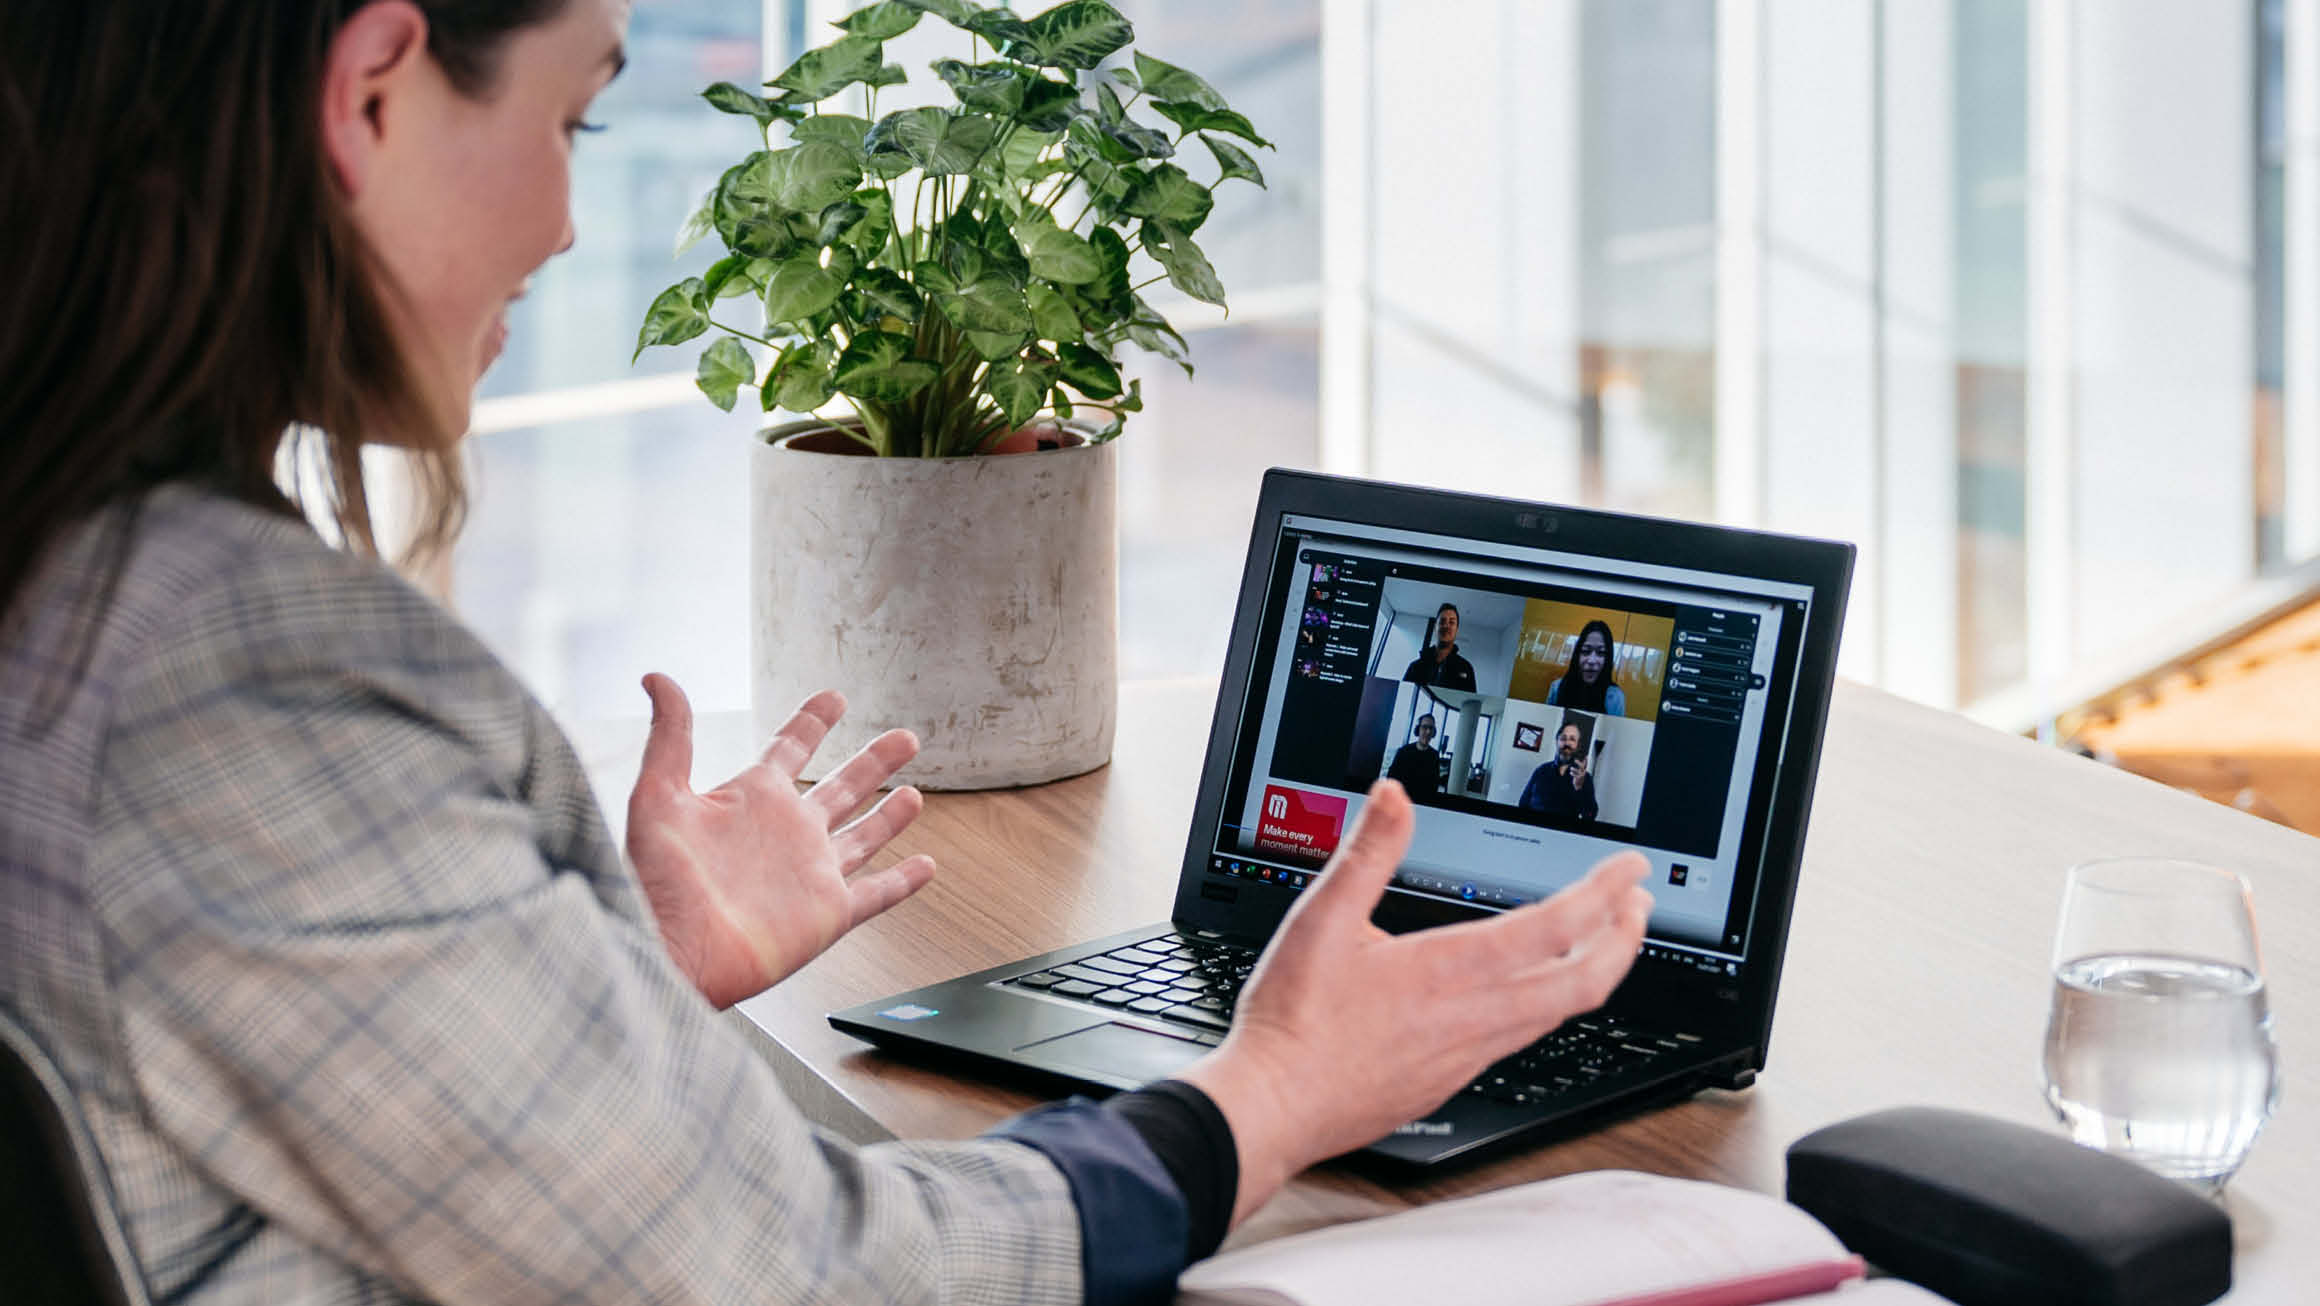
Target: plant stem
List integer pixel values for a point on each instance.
(746, 335)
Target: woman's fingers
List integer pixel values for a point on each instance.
(793, 745)
(668, 747)
(1546, 930)
(875, 891)
(1356, 875)
(843, 790)
(859, 842)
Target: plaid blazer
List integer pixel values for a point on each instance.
(314, 905)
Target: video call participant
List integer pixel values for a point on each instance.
(1441, 665)
(1562, 787)
(1587, 684)
(1418, 765)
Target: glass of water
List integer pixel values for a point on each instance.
(2160, 1044)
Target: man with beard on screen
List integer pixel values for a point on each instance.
(1562, 787)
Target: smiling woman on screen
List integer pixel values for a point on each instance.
(1589, 684)
(310, 898)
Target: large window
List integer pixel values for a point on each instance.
(2021, 296)
(2013, 293)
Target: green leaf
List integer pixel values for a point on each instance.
(955, 12)
(725, 97)
(1170, 194)
(1048, 106)
(1075, 34)
(725, 367)
(868, 236)
(1019, 388)
(880, 22)
(722, 274)
(887, 75)
(1020, 154)
(809, 178)
(999, 188)
(1152, 333)
(993, 88)
(1091, 137)
(800, 378)
(1051, 315)
(836, 220)
(991, 346)
(821, 73)
(938, 142)
(887, 166)
(1131, 402)
(1166, 81)
(1188, 269)
(679, 314)
(834, 128)
(1193, 118)
(986, 304)
(741, 209)
(1139, 140)
(1108, 110)
(1128, 79)
(806, 284)
(1110, 294)
(997, 25)
(889, 293)
(1232, 161)
(1056, 254)
(877, 366)
(699, 223)
(1087, 371)
(1060, 402)
(1001, 254)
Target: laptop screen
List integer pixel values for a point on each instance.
(1543, 708)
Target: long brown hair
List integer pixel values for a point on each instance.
(182, 287)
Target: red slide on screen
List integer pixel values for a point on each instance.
(1295, 821)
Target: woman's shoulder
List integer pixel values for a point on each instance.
(1615, 700)
(184, 590)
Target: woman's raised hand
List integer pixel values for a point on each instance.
(753, 879)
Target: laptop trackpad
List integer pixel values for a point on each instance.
(1116, 1050)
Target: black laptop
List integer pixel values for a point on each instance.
(1552, 685)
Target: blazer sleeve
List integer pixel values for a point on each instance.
(358, 995)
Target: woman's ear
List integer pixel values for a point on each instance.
(370, 66)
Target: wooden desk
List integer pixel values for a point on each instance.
(1917, 969)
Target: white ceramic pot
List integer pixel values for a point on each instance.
(973, 601)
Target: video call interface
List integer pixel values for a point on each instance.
(1541, 714)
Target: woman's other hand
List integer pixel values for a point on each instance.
(753, 879)
(1346, 1031)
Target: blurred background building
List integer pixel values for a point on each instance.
(2021, 296)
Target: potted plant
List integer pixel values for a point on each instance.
(946, 284)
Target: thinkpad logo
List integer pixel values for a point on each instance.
(1427, 1128)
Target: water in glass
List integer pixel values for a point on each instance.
(2165, 1059)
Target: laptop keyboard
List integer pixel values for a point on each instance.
(1187, 979)
(1193, 980)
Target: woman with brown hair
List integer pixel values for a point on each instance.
(311, 900)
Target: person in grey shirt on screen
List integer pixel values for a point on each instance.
(310, 898)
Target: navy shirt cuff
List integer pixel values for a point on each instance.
(1132, 1219)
